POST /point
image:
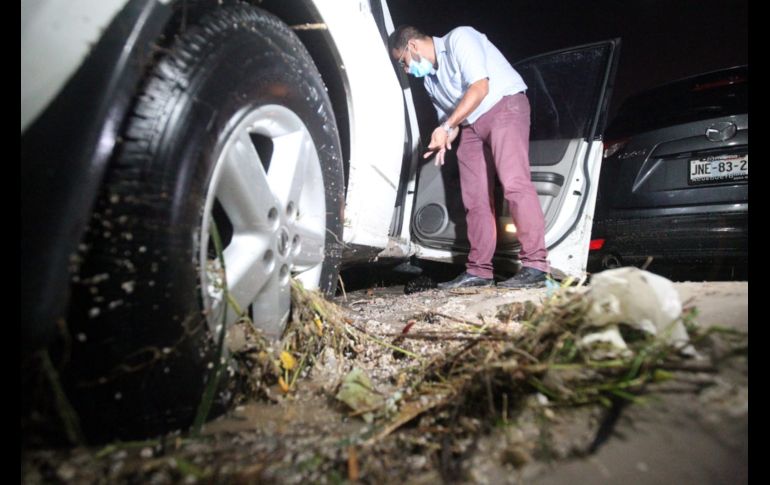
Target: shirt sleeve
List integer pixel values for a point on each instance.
(467, 48)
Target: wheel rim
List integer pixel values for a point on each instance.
(273, 205)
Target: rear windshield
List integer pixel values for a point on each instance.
(712, 95)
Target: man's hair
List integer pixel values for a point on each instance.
(403, 34)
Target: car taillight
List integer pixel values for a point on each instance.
(612, 147)
(737, 79)
(596, 244)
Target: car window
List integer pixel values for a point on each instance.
(712, 95)
(562, 91)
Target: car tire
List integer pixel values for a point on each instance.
(232, 127)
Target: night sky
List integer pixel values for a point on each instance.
(662, 40)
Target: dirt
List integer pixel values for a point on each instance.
(692, 429)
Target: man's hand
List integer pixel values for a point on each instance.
(440, 142)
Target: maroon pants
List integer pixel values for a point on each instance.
(499, 142)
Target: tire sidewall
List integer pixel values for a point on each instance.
(238, 77)
(238, 59)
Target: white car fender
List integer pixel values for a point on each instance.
(50, 60)
(376, 113)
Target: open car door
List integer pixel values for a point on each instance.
(568, 92)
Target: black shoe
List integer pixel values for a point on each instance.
(465, 280)
(526, 278)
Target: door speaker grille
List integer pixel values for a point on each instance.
(431, 219)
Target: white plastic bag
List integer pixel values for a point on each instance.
(638, 298)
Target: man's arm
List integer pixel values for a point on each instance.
(440, 139)
(470, 101)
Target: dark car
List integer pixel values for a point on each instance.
(674, 181)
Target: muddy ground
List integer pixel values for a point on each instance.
(692, 429)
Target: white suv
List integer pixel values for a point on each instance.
(281, 132)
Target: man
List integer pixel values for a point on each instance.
(475, 90)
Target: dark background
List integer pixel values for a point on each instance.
(662, 40)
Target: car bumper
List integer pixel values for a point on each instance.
(715, 238)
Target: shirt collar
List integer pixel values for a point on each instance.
(438, 45)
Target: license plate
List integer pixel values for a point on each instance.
(719, 168)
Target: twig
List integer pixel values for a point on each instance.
(409, 411)
(233, 303)
(385, 344)
(299, 368)
(448, 335)
(342, 285)
(456, 319)
(524, 354)
(353, 467)
(490, 398)
(65, 410)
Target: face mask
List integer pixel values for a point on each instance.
(421, 68)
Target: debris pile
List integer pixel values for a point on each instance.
(442, 385)
(554, 350)
(316, 324)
